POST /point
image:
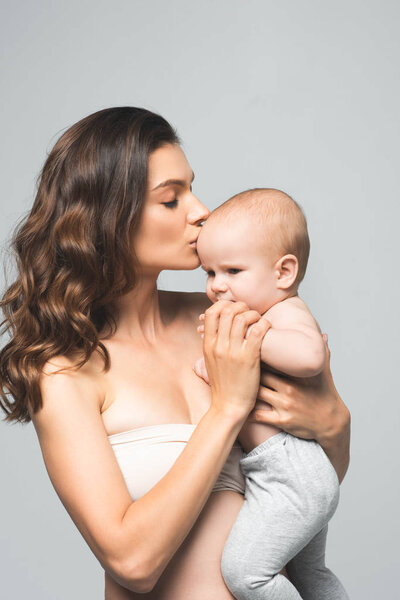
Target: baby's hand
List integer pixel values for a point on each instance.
(199, 368)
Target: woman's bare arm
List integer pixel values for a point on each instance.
(134, 541)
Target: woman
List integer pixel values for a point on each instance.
(101, 361)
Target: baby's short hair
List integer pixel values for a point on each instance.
(279, 219)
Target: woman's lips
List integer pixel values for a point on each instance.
(193, 244)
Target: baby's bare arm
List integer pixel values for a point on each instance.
(294, 344)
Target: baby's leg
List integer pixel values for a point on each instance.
(253, 434)
(310, 575)
(291, 493)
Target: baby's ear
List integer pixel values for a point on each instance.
(286, 270)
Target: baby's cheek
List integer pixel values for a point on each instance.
(209, 293)
(260, 298)
(246, 294)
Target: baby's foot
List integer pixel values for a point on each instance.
(200, 369)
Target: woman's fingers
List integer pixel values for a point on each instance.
(229, 323)
(241, 325)
(256, 335)
(263, 318)
(227, 317)
(211, 320)
(267, 395)
(218, 322)
(271, 380)
(270, 417)
(327, 365)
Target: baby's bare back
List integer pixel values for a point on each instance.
(293, 346)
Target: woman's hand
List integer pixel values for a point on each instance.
(309, 408)
(232, 358)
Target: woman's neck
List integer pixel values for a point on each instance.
(138, 313)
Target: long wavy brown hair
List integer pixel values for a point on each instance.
(73, 250)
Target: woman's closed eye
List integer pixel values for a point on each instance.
(171, 204)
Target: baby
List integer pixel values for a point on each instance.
(254, 248)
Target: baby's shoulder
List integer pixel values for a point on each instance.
(294, 304)
(291, 311)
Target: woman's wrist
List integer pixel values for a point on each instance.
(336, 424)
(335, 440)
(230, 416)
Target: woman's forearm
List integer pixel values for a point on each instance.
(161, 519)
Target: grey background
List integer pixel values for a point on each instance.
(299, 95)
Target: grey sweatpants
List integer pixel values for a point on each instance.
(292, 491)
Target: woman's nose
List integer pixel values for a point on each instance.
(198, 211)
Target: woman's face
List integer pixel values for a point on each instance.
(172, 215)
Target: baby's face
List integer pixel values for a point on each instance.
(237, 266)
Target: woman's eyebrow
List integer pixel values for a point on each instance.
(168, 182)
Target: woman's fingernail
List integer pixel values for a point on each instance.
(201, 317)
(325, 336)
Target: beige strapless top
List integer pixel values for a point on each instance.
(146, 454)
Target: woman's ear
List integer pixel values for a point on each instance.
(286, 270)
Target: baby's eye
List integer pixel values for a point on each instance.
(234, 271)
(210, 273)
(171, 204)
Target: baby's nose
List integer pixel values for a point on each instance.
(219, 285)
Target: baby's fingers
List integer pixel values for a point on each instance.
(200, 369)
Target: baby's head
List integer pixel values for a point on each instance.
(254, 248)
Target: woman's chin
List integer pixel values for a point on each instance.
(194, 264)
(186, 265)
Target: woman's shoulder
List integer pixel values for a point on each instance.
(74, 365)
(62, 375)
